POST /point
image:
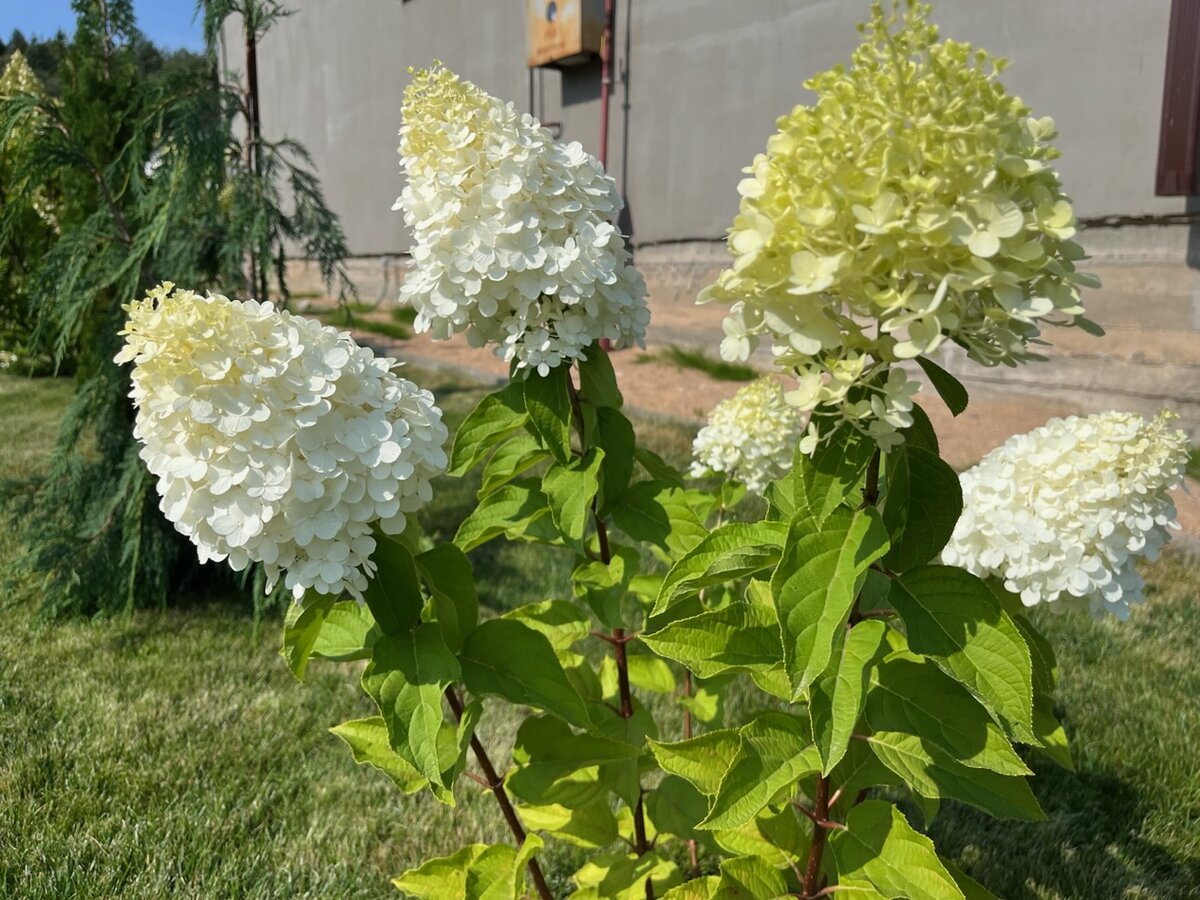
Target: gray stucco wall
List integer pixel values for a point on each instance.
(699, 85)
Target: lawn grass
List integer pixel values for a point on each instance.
(173, 754)
(348, 317)
(700, 361)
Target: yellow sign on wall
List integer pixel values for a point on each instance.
(564, 32)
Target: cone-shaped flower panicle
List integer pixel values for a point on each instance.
(1061, 514)
(514, 235)
(750, 437)
(913, 203)
(276, 439)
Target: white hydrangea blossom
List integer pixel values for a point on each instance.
(514, 237)
(1062, 513)
(750, 437)
(276, 439)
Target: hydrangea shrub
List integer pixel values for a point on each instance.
(728, 698)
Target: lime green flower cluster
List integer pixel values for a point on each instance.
(914, 202)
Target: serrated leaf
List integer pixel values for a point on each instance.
(406, 678)
(774, 752)
(949, 388)
(518, 454)
(598, 381)
(513, 511)
(348, 633)
(735, 550)
(562, 623)
(495, 417)
(658, 513)
(570, 490)
(507, 658)
(702, 888)
(605, 587)
(836, 700)
(951, 616)
(823, 482)
(547, 750)
(917, 698)
(548, 403)
(920, 433)
(448, 575)
(476, 872)
(815, 586)
(618, 876)
(921, 507)
(368, 741)
(301, 627)
(739, 637)
(445, 876)
(971, 888)
(657, 467)
(701, 760)
(591, 825)
(933, 773)
(750, 878)
(394, 594)
(650, 673)
(880, 847)
(780, 838)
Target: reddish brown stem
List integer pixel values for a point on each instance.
(812, 871)
(496, 785)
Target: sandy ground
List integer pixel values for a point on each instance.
(684, 394)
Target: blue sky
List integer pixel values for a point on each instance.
(166, 22)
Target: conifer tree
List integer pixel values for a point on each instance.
(155, 186)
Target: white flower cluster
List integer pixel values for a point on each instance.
(276, 439)
(514, 237)
(750, 437)
(1062, 513)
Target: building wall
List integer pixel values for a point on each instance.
(699, 86)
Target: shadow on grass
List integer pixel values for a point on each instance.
(1090, 847)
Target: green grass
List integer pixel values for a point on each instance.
(350, 318)
(172, 753)
(701, 362)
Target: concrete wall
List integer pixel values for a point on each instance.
(699, 86)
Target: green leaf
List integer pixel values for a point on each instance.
(735, 550)
(614, 435)
(1051, 737)
(617, 876)
(971, 888)
(451, 582)
(815, 585)
(548, 402)
(516, 455)
(780, 838)
(701, 760)
(507, 658)
(774, 752)
(738, 637)
(650, 673)
(657, 467)
(301, 627)
(676, 807)
(823, 482)
(920, 433)
(368, 741)
(348, 633)
(476, 872)
(658, 513)
(547, 751)
(750, 878)
(921, 507)
(951, 616)
(393, 593)
(949, 388)
(591, 825)
(917, 698)
(879, 847)
(563, 623)
(513, 511)
(836, 700)
(406, 677)
(496, 417)
(445, 876)
(605, 588)
(598, 381)
(933, 773)
(702, 888)
(570, 490)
